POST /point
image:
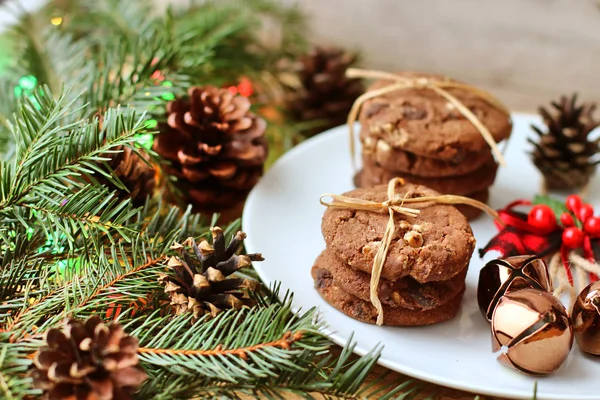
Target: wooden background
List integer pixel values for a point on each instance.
(525, 51)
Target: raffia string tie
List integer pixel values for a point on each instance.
(394, 204)
(439, 86)
(581, 267)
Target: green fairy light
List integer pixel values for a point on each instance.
(26, 88)
(168, 96)
(53, 245)
(151, 124)
(28, 82)
(146, 140)
(65, 268)
(167, 83)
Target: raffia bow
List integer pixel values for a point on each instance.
(439, 86)
(394, 204)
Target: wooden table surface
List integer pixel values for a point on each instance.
(431, 391)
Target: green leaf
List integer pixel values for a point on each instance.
(557, 206)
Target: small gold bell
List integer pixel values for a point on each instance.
(586, 319)
(501, 276)
(533, 329)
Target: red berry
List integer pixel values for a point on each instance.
(585, 211)
(572, 237)
(566, 219)
(573, 203)
(592, 226)
(542, 217)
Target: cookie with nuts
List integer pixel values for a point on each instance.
(422, 122)
(433, 246)
(373, 174)
(364, 311)
(379, 151)
(403, 293)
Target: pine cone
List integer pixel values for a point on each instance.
(564, 153)
(323, 91)
(88, 360)
(201, 286)
(137, 176)
(214, 146)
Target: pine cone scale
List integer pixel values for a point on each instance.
(223, 170)
(102, 388)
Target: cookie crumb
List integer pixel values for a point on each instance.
(414, 239)
(404, 224)
(366, 250)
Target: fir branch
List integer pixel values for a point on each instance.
(85, 295)
(13, 365)
(237, 358)
(284, 342)
(110, 289)
(52, 156)
(89, 208)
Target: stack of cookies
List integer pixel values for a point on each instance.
(423, 278)
(418, 135)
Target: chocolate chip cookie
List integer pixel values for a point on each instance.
(392, 316)
(422, 122)
(404, 293)
(433, 246)
(373, 174)
(378, 151)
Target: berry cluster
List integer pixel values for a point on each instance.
(578, 222)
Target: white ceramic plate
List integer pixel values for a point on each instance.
(283, 221)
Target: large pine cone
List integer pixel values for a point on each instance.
(215, 147)
(136, 174)
(323, 91)
(564, 153)
(88, 360)
(202, 285)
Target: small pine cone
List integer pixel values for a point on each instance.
(88, 360)
(214, 146)
(138, 176)
(564, 153)
(323, 91)
(200, 283)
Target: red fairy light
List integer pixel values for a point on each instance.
(245, 87)
(158, 76)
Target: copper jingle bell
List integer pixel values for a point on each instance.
(501, 276)
(586, 319)
(534, 329)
